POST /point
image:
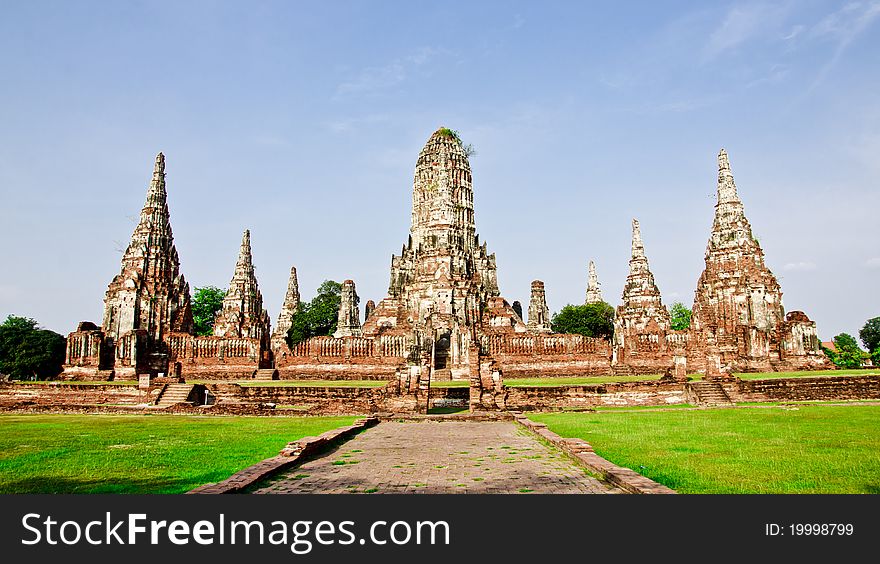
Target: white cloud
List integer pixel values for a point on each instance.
(775, 75)
(518, 22)
(873, 262)
(346, 125)
(843, 27)
(742, 23)
(795, 31)
(803, 266)
(848, 22)
(371, 79)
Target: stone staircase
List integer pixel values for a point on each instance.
(172, 394)
(709, 393)
(266, 374)
(441, 374)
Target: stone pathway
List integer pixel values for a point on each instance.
(439, 457)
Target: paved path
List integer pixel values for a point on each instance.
(439, 457)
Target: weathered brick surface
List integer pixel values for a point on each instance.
(148, 299)
(288, 309)
(443, 307)
(233, 399)
(242, 315)
(46, 396)
(546, 398)
(641, 321)
(738, 323)
(805, 389)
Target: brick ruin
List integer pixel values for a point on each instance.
(147, 327)
(348, 323)
(146, 303)
(539, 313)
(444, 316)
(739, 323)
(641, 321)
(594, 294)
(288, 310)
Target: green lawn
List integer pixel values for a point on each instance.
(139, 453)
(553, 381)
(450, 383)
(577, 380)
(315, 383)
(808, 449)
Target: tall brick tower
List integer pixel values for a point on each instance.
(149, 293)
(443, 277)
(738, 316)
(145, 303)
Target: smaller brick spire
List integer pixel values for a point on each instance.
(288, 310)
(641, 297)
(594, 294)
(539, 314)
(726, 185)
(242, 314)
(349, 323)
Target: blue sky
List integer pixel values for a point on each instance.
(303, 121)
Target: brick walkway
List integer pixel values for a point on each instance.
(439, 457)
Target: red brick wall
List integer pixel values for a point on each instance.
(20, 396)
(545, 398)
(803, 389)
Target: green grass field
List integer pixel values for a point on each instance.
(139, 453)
(808, 449)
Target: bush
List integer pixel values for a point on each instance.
(318, 317)
(679, 316)
(590, 320)
(870, 334)
(207, 301)
(848, 353)
(28, 352)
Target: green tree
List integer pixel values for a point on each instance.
(848, 353)
(318, 317)
(28, 352)
(206, 302)
(870, 334)
(680, 316)
(590, 320)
